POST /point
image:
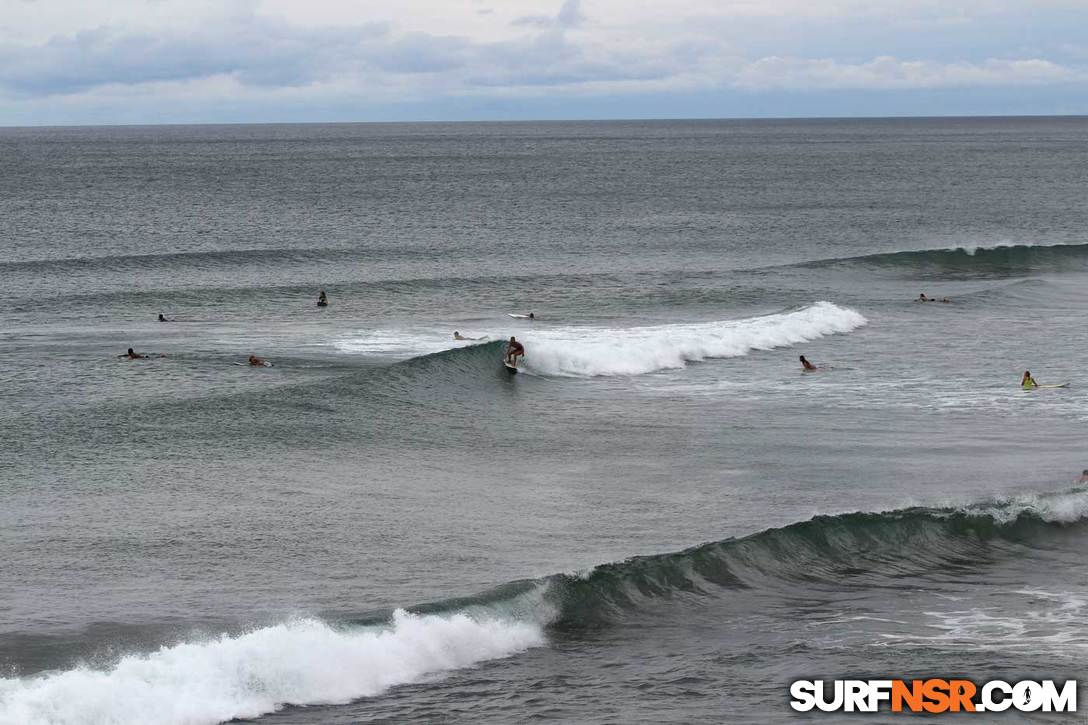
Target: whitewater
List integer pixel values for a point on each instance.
(306, 661)
(603, 351)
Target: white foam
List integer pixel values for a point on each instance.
(1058, 508)
(400, 343)
(300, 662)
(638, 350)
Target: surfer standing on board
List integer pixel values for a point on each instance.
(514, 350)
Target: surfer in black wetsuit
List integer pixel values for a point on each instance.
(322, 300)
(162, 318)
(132, 355)
(514, 350)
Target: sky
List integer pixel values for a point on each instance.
(68, 62)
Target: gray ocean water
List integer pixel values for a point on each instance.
(661, 519)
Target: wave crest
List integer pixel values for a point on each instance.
(301, 662)
(309, 662)
(639, 350)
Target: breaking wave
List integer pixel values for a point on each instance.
(309, 661)
(638, 350)
(303, 662)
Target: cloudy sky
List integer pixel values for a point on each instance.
(162, 61)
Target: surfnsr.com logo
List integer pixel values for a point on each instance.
(933, 696)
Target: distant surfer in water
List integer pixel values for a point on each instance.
(1083, 476)
(257, 362)
(458, 336)
(806, 365)
(322, 300)
(922, 298)
(1027, 382)
(514, 350)
(162, 318)
(132, 355)
(532, 316)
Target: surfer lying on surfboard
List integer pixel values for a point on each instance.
(458, 336)
(514, 350)
(259, 362)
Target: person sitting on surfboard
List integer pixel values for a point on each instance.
(922, 298)
(133, 355)
(806, 365)
(1027, 382)
(514, 350)
(257, 362)
(322, 300)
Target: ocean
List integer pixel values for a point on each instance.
(660, 519)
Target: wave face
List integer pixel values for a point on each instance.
(997, 262)
(302, 662)
(833, 552)
(310, 662)
(639, 350)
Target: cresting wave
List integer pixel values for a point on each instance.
(302, 662)
(312, 662)
(998, 261)
(638, 350)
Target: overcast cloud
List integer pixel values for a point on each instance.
(132, 61)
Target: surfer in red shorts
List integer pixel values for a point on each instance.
(514, 350)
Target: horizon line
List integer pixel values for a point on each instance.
(628, 119)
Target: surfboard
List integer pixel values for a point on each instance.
(512, 369)
(517, 316)
(1059, 385)
(265, 364)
